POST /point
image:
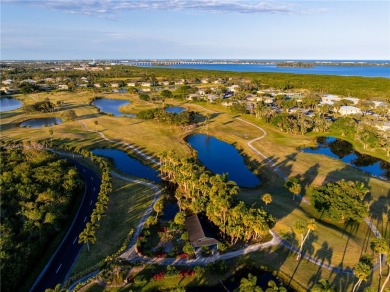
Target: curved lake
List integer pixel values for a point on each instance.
(343, 150)
(111, 106)
(129, 165)
(175, 109)
(9, 104)
(41, 122)
(221, 157)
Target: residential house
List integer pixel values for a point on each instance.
(268, 100)
(199, 233)
(379, 103)
(202, 92)
(233, 88)
(180, 82)
(114, 85)
(63, 87)
(349, 110)
(146, 84)
(28, 81)
(353, 99)
(7, 82)
(330, 99)
(194, 96)
(385, 126)
(212, 97)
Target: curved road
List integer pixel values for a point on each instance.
(62, 260)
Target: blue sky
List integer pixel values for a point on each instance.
(199, 29)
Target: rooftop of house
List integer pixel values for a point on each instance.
(199, 232)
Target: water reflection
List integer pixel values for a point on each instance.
(343, 150)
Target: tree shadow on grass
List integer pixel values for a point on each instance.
(88, 116)
(310, 175)
(379, 209)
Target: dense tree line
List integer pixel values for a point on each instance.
(198, 191)
(181, 119)
(361, 87)
(37, 190)
(341, 201)
(44, 106)
(293, 123)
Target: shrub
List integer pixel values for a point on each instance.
(159, 276)
(144, 96)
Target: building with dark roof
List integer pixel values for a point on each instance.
(198, 233)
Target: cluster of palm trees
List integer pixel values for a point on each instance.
(88, 234)
(293, 123)
(363, 269)
(198, 191)
(303, 229)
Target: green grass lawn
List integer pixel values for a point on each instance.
(127, 205)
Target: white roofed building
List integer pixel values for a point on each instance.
(349, 110)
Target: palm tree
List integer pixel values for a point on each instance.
(96, 216)
(323, 285)
(299, 228)
(267, 199)
(96, 124)
(379, 245)
(273, 287)
(158, 207)
(57, 288)
(51, 135)
(388, 274)
(293, 185)
(362, 271)
(88, 235)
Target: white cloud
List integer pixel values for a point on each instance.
(109, 8)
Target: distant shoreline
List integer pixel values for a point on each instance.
(164, 62)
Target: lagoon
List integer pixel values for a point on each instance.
(221, 157)
(343, 150)
(9, 104)
(111, 106)
(128, 165)
(40, 122)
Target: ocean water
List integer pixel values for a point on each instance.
(339, 70)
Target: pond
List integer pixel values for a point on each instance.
(9, 104)
(343, 150)
(175, 109)
(221, 157)
(41, 122)
(111, 106)
(129, 165)
(170, 211)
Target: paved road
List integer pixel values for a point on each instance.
(62, 260)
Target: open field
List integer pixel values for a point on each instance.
(337, 245)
